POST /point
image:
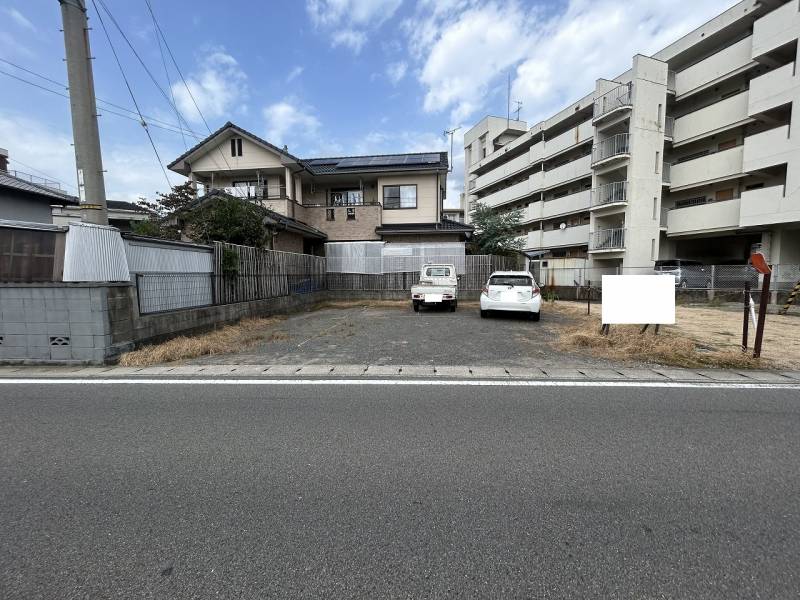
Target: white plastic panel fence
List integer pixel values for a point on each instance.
(386, 257)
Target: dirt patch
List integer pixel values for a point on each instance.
(227, 339)
(702, 337)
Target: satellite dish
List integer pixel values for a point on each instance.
(562, 226)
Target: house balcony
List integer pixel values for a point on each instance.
(716, 118)
(616, 101)
(719, 166)
(610, 195)
(615, 148)
(773, 89)
(704, 218)
(256, 192)
(726, 63)
(607, 240)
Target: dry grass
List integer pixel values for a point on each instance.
(230, 338)
(673, 345)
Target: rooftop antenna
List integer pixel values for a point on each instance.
(450, 132)
(518, 109)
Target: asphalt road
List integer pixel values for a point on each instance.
(264, 491)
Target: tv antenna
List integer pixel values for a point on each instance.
(518, 109)
(445, 133)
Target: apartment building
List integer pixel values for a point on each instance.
(395, 198)
(693, 153)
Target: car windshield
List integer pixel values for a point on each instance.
(513, 280)
(438, 272)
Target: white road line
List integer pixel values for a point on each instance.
(413, 382)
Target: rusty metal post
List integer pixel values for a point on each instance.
(589, 297)
(762, 315)
(746, 322)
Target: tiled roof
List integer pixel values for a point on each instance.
(9, 181)
(415, 161)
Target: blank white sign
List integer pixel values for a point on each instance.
(638, 299)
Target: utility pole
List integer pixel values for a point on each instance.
(85, 133)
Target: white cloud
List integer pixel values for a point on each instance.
(350, 21)
(294, 73)
(20, 19)
(218, 86)
(289, 122)
(396, 71)
(466, 48)
(131, 169)
(349, 38)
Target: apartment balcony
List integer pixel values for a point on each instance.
(620, 99)
(669, 127)
(773, 89)
(671, 82)
(571, 203)
(502, 171)
(767, 149)
(610, 194)
(615, 148)
(704, 218)
(775, 29)
(768, 206)
(720, 116)
(563, 238)
(506, 195)
(731, 61)
(719, 166)
(532, 212)
(567, 172)
(533, 240)
(666, 173)
(607, 240)
(569, 139)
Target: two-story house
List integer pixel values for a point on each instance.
(395, 198)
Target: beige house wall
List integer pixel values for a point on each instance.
(340, 229)
(253, 157)
(427, 199)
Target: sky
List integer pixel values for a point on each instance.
(324, 77)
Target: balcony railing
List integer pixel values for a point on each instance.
(619, 97)
(610, 193)
(616, 145)
(257, 192)
(666, 172)
(669, 127)
(607, 239)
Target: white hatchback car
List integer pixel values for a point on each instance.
(511, 291)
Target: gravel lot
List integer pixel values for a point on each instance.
(391, 335)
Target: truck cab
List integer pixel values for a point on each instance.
(438, 286)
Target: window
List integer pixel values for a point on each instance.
(726, 194)
(399, 196)
(511, 280)
(437, 272)
(346, 198)
(236, 146)
(351, 214)
(330, 215)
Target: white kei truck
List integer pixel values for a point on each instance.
(438, 286)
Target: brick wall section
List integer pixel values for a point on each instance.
(287, 241)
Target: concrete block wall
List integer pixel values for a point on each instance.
(54, 322)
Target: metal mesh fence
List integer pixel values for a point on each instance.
(159, 292)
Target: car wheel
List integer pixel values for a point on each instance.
(536, 316)
(484, 313)
(416, 306)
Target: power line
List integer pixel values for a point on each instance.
(133, 97)
(160, 32)
(48, 176)
(139, 58)
(166, 74)
(105, 110)
(166, 124)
